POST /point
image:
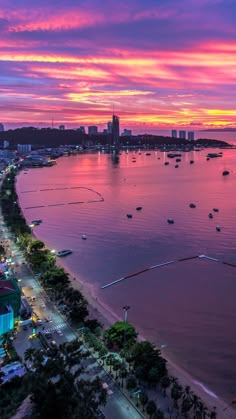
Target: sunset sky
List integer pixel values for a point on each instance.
(158, 63)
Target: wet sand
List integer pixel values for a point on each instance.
(106, 318)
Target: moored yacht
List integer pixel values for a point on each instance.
(64, 253)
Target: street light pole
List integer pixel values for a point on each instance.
(126, 308)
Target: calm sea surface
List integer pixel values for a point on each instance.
(188, 306)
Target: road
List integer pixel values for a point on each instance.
(118, 406)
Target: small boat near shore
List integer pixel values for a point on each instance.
(36, 222)
(129, 215)
(64, 253)
(138, 208)
(210, 215)
(170, 221)
(218, 228)
(225, 173)
(84, 237)
(216, 209)
(192, 205)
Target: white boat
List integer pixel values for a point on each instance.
(84, 237)
(64, 253)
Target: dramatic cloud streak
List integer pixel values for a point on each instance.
(165, 63)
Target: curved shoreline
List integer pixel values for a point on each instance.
(106, 317)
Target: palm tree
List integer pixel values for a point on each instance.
(176, 393)
(123, 374)
(165, 383)
(143, 397)
(151, 408)
(212, 414)
(116, 368)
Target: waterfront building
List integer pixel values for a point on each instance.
(10, 300)
(182, 135)
(115, 131)
(1, 127)
(62, 127)
(126, 133)
(24, 148)
(191, 136)
(6, 144)
(82, 129)
(174, 133)
(109, 127)
(92, 129)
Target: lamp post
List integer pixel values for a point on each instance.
(126, 308)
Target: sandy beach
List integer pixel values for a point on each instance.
(106, 318)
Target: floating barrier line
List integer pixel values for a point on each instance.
(28, 191)
(191, 257)
(55, 205)
(161, 264)
(112, 283)
(229, 264)
(136, 273)
(208, 257)
(39, 206)
(78, 202)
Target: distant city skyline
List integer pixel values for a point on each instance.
(158, 65)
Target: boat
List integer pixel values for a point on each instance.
(210, 215)
(138, 208)
(170, 221)
(176, 166)
(129, 215)
(147, 154)
(64, 253)
(225, 173)
(218, 228)
(36, 222)
(208, 158)
(216, 209)
(166, 163)
(178, 160)
(84, 237)
(213, 155)
(192, 205)
(191, 161)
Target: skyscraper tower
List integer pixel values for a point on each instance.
(115, 132)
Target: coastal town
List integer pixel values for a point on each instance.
(47, 330)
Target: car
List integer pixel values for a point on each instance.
(53, 343)
(48, 335)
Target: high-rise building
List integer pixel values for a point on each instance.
(6, 144)
(10, 298)
(92, 130)
(182, 135)
(126, 133)
(1, 127)
(191, 136)
(82, 129)
(109, 127)
(115, 131)
(174, 133)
